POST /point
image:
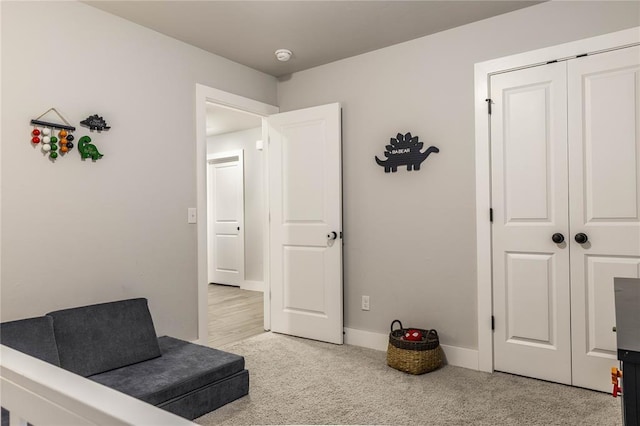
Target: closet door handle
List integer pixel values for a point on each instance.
(581, 238)
(557, 238)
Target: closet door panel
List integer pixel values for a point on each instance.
(604, 191)
(529, 198)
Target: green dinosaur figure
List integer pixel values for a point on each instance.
(87, 149)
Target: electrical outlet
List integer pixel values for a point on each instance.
(365, 303)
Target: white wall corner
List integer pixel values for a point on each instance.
(457, 356)
(252, 285)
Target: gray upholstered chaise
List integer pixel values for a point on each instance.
(115, 344)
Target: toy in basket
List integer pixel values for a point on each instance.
(414, 350)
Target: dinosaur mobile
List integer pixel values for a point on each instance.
(404, 150)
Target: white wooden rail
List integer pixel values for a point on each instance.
(43, 394)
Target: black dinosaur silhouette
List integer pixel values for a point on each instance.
(404, 150)
(95, 122)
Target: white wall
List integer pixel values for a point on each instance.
(253, 194)
(76, 232)
(410, 236)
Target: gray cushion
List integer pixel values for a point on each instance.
(97, 338)
(33, 336)
(201, 401)
(182, 368)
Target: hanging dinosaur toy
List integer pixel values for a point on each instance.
(87, 149)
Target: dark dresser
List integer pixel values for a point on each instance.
(627, 300)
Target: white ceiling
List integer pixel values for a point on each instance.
(318, 32)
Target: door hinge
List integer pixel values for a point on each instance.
(493, 322)
(489, 102)
(491, 215)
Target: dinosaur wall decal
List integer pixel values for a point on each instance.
(95, 122)
(87, 149)
(404, 150)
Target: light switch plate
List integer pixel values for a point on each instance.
(191, 215)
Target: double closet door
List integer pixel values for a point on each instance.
(565, 153)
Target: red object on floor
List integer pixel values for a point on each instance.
(616, 390)
(615, 375)
(413, 335)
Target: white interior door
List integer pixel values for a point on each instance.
(305, 187)
(530, 202)
(604, 163)
(225, 224)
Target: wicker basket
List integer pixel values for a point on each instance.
(414, 357)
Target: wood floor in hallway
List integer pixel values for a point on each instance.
(234, 314)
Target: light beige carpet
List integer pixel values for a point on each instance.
(298, 381)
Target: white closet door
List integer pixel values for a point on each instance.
(604, 150)
(529, 198)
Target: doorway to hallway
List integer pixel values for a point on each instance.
(292, 142)
(234, 314)
(234, 225)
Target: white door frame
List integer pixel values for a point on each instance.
(235, 156)
(206, 94)
(483, 71)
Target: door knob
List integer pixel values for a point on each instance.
(332, 236)
(557, 238)
(581, 238)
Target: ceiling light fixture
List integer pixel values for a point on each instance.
(283, 55)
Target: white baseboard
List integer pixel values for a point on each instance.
(252, 285)
(366, 339)
(460, 357)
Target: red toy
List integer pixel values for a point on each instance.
(615, 375)
(413, 335)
